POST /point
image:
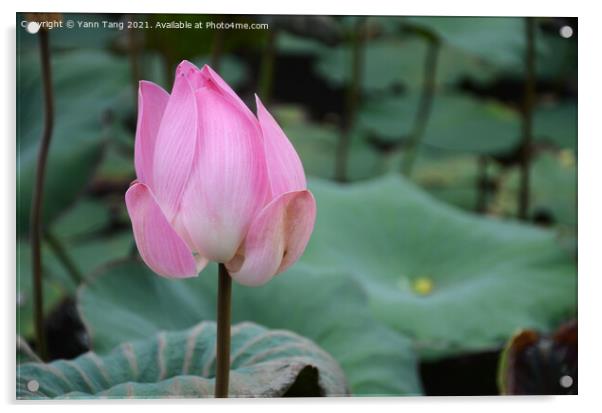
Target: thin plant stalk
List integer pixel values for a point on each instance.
(482, 185)
(61, 254)
(529, 100)
(224, 298)
(37, 202)
(425, 105)
(352, 100)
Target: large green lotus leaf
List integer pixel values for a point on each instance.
(553, 188)
(389, 62)
(86, 217)
(264, 363)
(500, 40)
(453, 281)
(94, 253)
(393, 62)
(450, 178)
(455, 65)
(386, 63)
(317, 145)
(447, 176)
(558, 124)
(127, 301)
(457, 122)
(89, 255)
(77, 140)
(477, 46)
(390, 118)
(465, 124)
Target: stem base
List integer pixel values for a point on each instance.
(224, 298)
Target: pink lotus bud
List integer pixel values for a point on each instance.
(215, 183)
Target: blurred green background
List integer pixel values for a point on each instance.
(412, 133)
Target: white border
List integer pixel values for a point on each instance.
(373, 7)
(590, 207)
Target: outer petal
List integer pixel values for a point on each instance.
(152, 100)
(284, 166)
(209, 75)
(229, 184)
(176, 142)
(160, 246)
(276, 239)
(195, 77)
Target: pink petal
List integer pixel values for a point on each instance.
(152, 100)
(229, 184)
(176, 143)
(284, 166)
(160, 246)
(209, 75)
(276, 239)
(195, 76)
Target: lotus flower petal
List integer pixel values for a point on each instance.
(206, 76)
(276, 239)
(209, 75)
(193, 74)
(284, 166)
(229, 185)
(152, 100)
(176, 143)
(159, 245)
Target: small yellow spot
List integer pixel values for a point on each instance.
(423, 285)
(566, 157)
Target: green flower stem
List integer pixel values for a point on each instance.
(529, 99)
(352, 102)
(37, 201)
(424, 106)
(482, 183)
(224, 297)
(61, 254)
